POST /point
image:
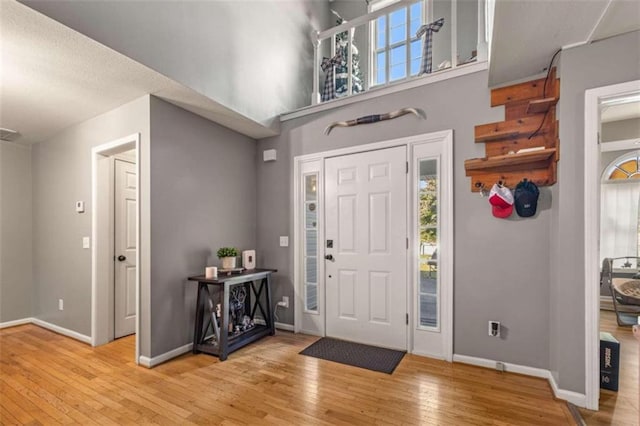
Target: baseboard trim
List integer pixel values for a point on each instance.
(61, 330)
(573, 397)
(156, 360)
(578, 399)
(15, 323)
(283, 326)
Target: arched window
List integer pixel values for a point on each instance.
(624, 167)
(619, 215)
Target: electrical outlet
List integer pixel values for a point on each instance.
(285, 300)
(284, 241)
(60, 305)
(494, 328)
(500, 366)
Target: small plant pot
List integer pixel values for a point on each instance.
(228, 262)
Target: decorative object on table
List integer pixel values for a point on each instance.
(249, 259)
(367, 119)
(328, 66)
(211, 272)
(501, 200)
(526, 198)
(237, 298)
(228, 256)
(427, 46)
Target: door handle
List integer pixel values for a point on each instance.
(122, 258)
(329, 257)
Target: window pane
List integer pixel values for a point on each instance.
(312, 297)
(311, 243)
(381, 75)
(428, 311)
(311, 187)
(416, 56)
(415, 15)
(428, 250)
(398, 63)
(311, 270)
(311, 216)
(381, 32)
(398, 26)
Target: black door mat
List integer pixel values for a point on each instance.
(355, 354)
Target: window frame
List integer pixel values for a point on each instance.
(426, 10)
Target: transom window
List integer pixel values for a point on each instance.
(397, 51)
(628, 167)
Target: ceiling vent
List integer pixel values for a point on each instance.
(8, 135)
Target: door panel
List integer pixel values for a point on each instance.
(125, 245)
(366, 280)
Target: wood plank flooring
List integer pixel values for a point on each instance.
(622, 407)
(46, 378)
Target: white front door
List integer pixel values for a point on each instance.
(125, 248)
(366, 240)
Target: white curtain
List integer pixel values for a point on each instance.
(619, 219)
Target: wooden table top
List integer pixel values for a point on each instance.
(246, 275)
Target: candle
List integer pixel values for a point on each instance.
(211, 272)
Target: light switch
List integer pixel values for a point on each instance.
(284, 241)
(86, 242)
(79, 206)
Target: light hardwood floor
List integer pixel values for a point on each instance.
(47, 378)
(622, 407)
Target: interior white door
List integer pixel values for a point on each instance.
(365, 247)
(125, 249)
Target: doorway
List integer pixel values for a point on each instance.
(605, 159)
(373, 244)
(116, 237)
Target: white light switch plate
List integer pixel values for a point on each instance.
(284, 241)
(86, 242)
(80, 206)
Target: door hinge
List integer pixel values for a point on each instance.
(407, 167)
(407, 316)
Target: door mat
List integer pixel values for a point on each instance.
(355, 354)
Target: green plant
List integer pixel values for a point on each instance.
(227, 252)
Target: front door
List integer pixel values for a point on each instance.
(366, 247)
(125, 249)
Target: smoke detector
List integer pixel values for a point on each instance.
(8, 134)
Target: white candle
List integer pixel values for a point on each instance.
(211, 272)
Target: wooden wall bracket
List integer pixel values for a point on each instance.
(525, 144)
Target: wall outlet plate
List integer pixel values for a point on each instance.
(494, 328)
(284, 241)
(60, 305)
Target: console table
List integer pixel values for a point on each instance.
(225, 339)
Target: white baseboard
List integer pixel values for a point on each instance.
(61, 330)
(283, 326)
(573, 397)
(15, 323)
(311, 332)
(156, 360)
(578, 399)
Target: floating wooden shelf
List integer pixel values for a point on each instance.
(506, 161)
(530, 122)
(541, 105)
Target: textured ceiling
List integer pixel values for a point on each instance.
(53, 77)
(526, 33)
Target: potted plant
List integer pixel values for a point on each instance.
(228, 256)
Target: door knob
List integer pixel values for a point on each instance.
(329, 257)
(122, 258)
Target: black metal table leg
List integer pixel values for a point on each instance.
(224, 332)
(197, 330)
(270, 321)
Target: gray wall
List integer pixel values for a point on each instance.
(620, 130)
(490, 254)
(581, 68)
(254, 57)
(203, 197)
(16, 281)
(62, 175)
